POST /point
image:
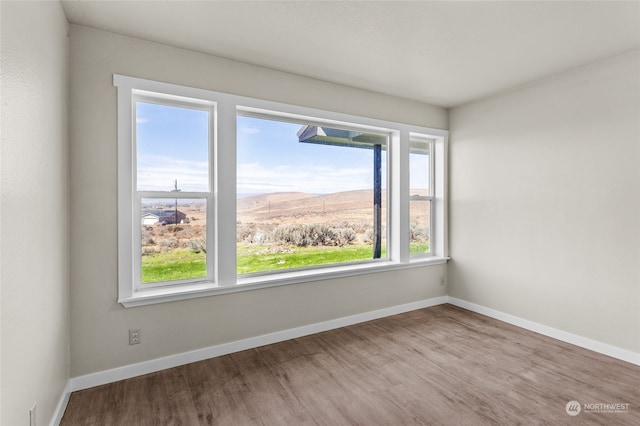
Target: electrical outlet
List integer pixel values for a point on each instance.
(135, 336)
(32, 415)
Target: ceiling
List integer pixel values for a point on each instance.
(443, 53)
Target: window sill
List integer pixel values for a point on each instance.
(191, 291)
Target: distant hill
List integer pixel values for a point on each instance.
(331, 209)
(300, 207)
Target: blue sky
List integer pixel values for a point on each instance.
(172, 144)
(270, 159)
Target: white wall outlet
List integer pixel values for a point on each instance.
(32, 415)
(135, 336)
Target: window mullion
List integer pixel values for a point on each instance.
(404, 183)
(399, 208)
(225, 221)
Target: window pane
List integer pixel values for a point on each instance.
(306, 195)
(172, 144)
(419, 191)
(173, 251)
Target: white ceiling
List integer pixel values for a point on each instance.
(444, 53)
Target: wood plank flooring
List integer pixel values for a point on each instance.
(442, 365)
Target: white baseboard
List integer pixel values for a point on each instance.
(133, 370)
(574, 339)
(62, 405)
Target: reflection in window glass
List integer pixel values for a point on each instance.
(173, 239)
(308, 195)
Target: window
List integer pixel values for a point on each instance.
(220, 193)
(308, 195)
(172, 174)
(420, 194)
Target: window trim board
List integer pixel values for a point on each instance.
(196, 290)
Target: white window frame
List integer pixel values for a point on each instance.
(427, 139)
(197, 104)
(221, 207)
(315, 121)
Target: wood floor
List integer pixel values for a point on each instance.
(441, 365)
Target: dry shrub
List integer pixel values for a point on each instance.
(418, 234)
(314, 234)
(198, 245)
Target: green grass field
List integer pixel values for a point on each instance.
(183, 264)
(249, 262)
(173, 265)
(418, 248)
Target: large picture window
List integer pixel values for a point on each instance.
(220, 193)
(308, 195)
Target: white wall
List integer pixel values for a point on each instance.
(34, 210)
(99, 324)
(545, 202)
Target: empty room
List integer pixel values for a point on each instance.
(319, 213)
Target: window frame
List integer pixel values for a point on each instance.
(221, 209)
(139, 195)
(417, 137)
(314, 121)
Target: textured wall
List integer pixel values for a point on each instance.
(545, 202)
(34, 210)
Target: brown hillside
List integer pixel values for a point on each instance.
(262, 213)
(257, 201)
(352, 206)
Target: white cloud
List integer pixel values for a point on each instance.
(254, 178)
(250, 130)
(157, 173)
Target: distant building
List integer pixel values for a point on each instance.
(163, 216)
(150, 219)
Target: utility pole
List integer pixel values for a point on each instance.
(175, 222)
